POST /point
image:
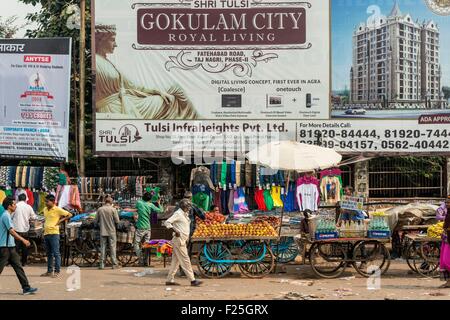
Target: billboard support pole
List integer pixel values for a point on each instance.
(81, 122)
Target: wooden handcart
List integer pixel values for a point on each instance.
(422, 254)
(253, 255)
(330, 258)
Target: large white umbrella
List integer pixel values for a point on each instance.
(292, 155)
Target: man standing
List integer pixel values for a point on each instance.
(107, 217)
(21, 221)
(179, 222)
(8, 252)
(54, 216)
(143, 211)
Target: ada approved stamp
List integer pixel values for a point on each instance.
(440, 7)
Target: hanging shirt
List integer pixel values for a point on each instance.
(331, 188)
(276, 196)
(307, 197)
(268, 200)
(21, 217)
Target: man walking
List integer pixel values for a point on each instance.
(143, 211)
(107, 217)
(54, 216)
(179, 222)
(8, 252)
(21, 221)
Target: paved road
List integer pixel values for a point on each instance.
(388, 114)
(298, 283)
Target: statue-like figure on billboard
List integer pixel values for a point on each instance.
(115, 94)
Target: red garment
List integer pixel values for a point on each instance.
(30, 197)
(217, 201)
(75, 201)
(259, 198)
(308, 180)
(330, 172)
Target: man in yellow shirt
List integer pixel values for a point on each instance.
(54, 216)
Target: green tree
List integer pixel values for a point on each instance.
(8, 27)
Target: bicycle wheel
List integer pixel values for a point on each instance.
(76, 254)
(369, 256)
(412, 254)
(328, 260)
(90, 252)
(261, 254)
(125, 254)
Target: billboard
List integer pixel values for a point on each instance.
(35, 97)
(219, 74)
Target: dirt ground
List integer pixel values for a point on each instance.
(298, 283)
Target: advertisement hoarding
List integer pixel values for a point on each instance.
(35, 97)
(225, 75)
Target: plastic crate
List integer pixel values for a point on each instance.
(326, 235)
(378, 234)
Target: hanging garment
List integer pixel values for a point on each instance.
(331, 188)
(201, 175)
(63, 196)
(2, 196)
(275, 192)
(238, 173)
(202, 200)
(248, 174)
(330, 172)
(259, 199)
(231, 200)
(217, 199)
(242, 204)
(268, 200)
(223, 175)
(233, 173)
(308, 196)
(30, 197)
(224, 201)
(289, 198)
(213, 173)
(236, 201)
(74, 200)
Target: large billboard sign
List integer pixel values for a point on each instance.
(34, 97)
(192, 71)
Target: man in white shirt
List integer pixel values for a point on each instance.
(21, 221)
(179, 222)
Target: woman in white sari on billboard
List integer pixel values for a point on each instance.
(117, 97)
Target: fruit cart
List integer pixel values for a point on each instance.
(253, 255)
(422, 254)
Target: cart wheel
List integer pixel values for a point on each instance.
(76, 255)
(125, 254)
(430, 253)
(214, 260)
(90, 252)
(286, 250)
(368, 255)
(412, 255)
(328, 260)
(263, 256)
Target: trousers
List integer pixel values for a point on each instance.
(180, 257)
(10, 255)
(141, 236)
(52, 247)
(22, 249)
(111, 242)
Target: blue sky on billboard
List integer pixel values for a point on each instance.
(347, 14)
(19, 9)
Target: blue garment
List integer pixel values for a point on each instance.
(213, 173)
(78, 217)
(197, 188)
(11, 175)
(289, 200)
(52, 247)
(233, 172)
(5, 226)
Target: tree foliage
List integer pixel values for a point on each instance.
(8, 27)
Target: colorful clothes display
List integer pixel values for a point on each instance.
(307, 196)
